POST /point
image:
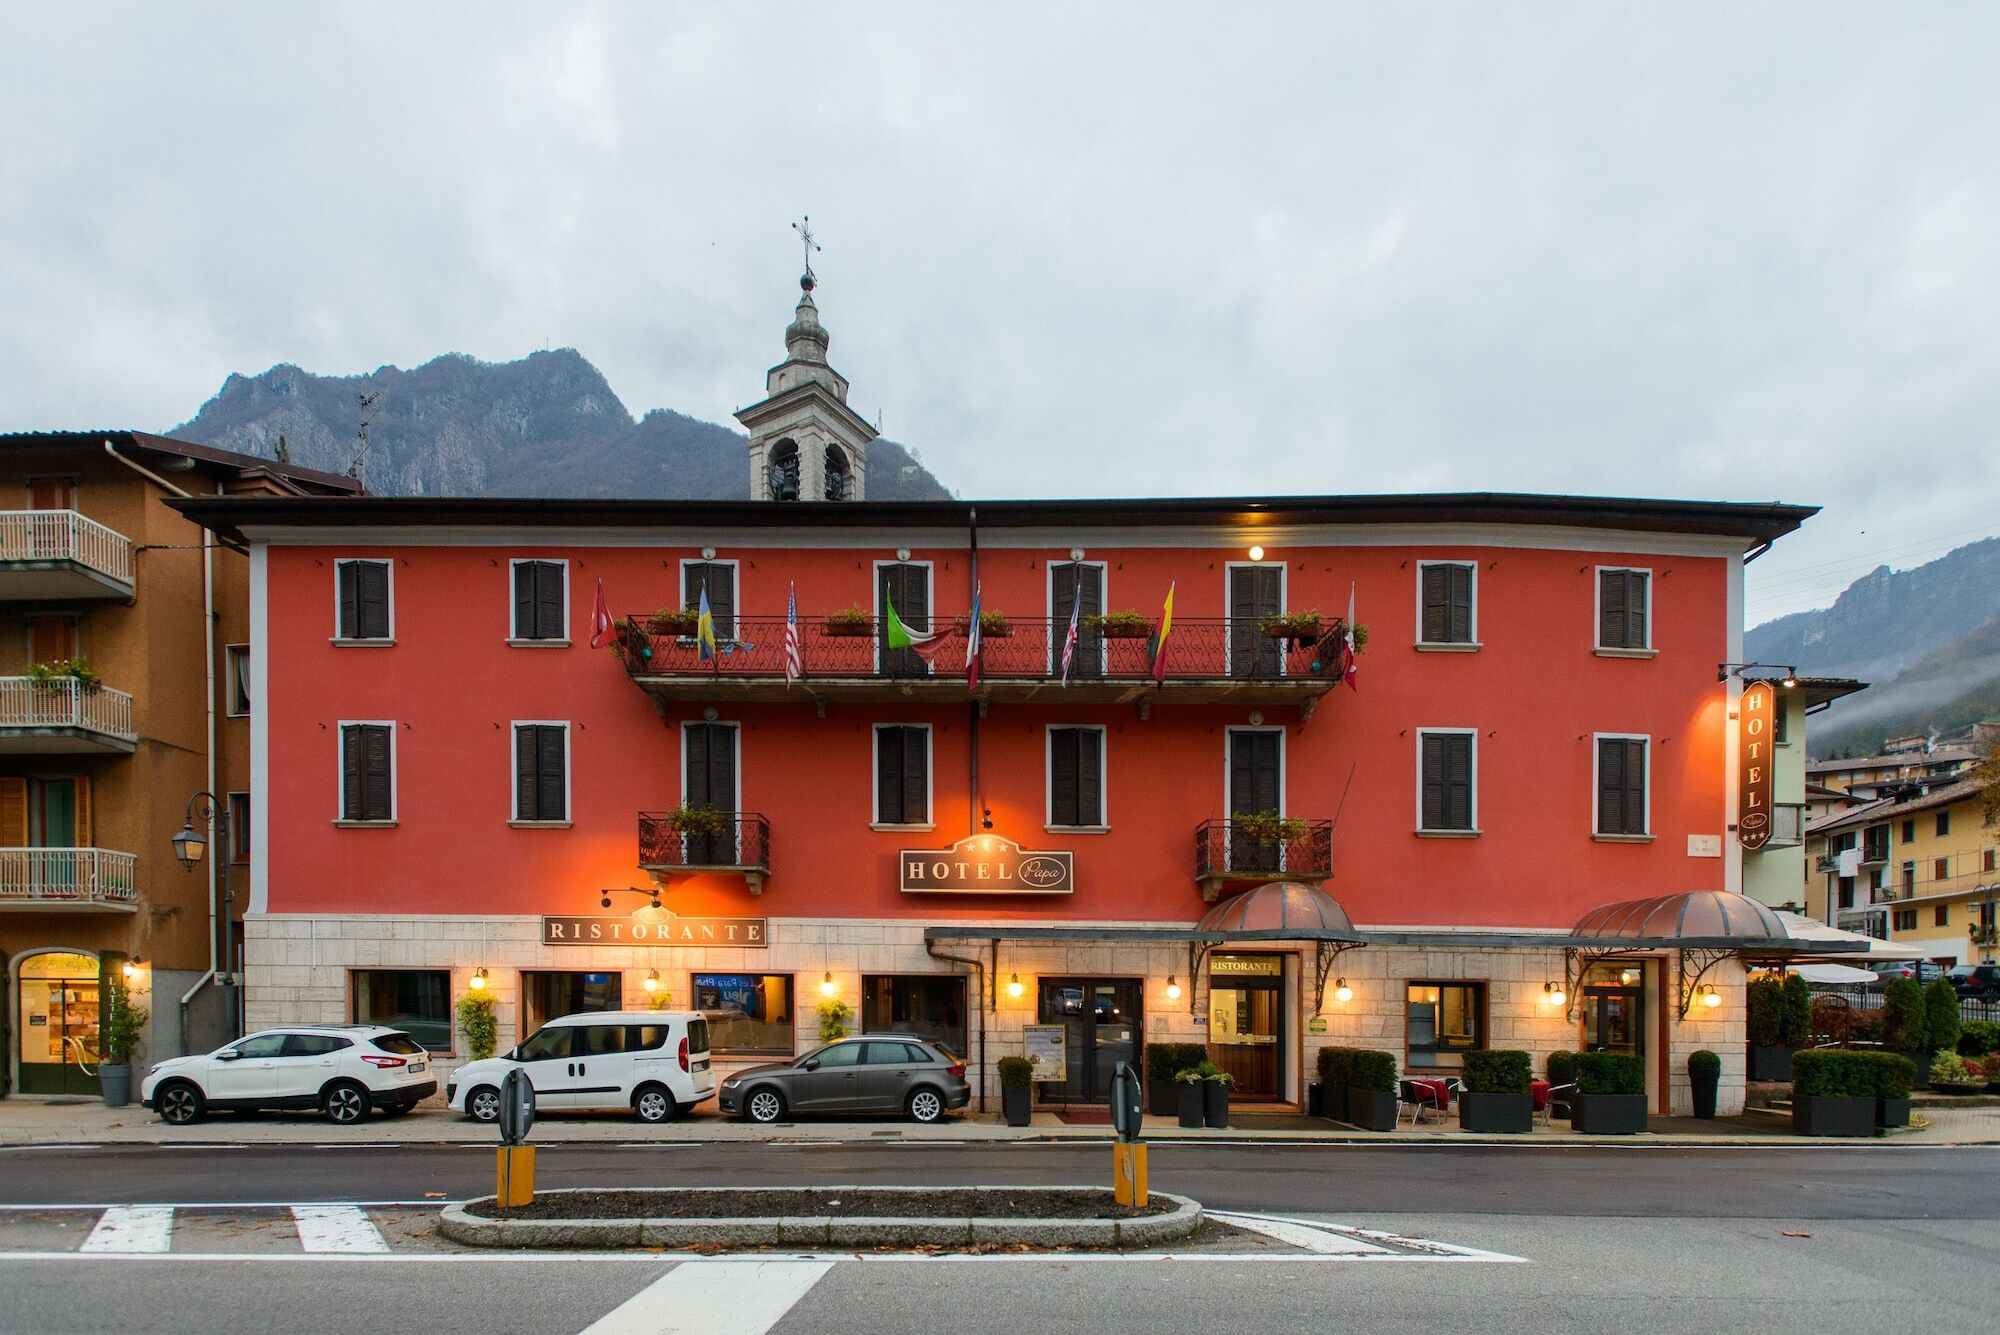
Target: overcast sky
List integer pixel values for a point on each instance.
(1728, 251)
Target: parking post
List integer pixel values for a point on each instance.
(515, 1184)
(1128, 1153)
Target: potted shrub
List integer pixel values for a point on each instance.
(1214, 1083)
(1163, 1062)
(1117, 626)
(1795, 1019)
(1496, 1098)
(1610, 1095)
(1188, 1095)
(1371, 1091)
(1769, 1056)
(674, 621)
(1336, 1074)
(1942, 1018)
(696, 820)
(993, 625)
(1906, 1024)
(1894, 1075)
(1561, 1069)
(475, 1012)
(1704, 1075)
(1017, 1089)
(1833, 1093)
(853, 622)
(1950, 1075)
(123, 1028)
(834, 1017)
(1299, 627)
(1267, 827)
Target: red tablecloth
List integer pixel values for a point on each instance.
(1540, 1090)
(1438, 1088)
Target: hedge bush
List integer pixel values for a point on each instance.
(1374, 1071)
(1941, 1016)
(1336, 1067)
(1498, 1071)
(1609, 1073)
(1976, 1038)
(1904, 1022)
(1704, 1063)
(1894, 1075)
(1832, 1073)
(1164, 1061)
(1764, 1002)
(1016, 1072)
(1562, 1068)
(1795, 1025)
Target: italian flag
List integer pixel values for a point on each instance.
(926, 647)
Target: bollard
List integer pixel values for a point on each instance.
(516, 1176)
(1128, 1155)
(514, 1170)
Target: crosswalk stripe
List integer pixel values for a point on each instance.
(1304, 1236)
(132, 1228)
(337, 1228)
(713, 1298)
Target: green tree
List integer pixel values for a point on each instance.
(1941, 1017)
(1795, 1028)
(1905, 1025)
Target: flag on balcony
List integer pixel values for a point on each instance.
(1069, 636)
(1348, 648)
(973, 643)
(926, 647)
(600, 619)
(794, 660)
(1156, 648)
(704, 628)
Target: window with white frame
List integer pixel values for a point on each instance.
(1623, 771)
(1076, 777)
(541, 772)
(902, 774)
(367, 772)
(1446, 796)
(1624, 608)
(541, 600)
(364, 597)
(1447, 613)
(236, 662)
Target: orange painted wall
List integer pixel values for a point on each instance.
(1535, 691)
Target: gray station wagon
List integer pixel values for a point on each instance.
(873, 1073)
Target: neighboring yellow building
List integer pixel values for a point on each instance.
(1919, 867)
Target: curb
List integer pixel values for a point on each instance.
(462, 1225)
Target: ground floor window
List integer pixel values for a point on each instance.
(57, 1022)
(1101, 1021)
(1246, 1012)
(416, 1001)
(1446, 1021)
(746, 1012)
(1613, 1007)
(928, 1006)
(549, 996)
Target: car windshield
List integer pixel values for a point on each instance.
(545, 1045)
(401, 1043)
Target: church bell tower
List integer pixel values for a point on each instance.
(806, 444)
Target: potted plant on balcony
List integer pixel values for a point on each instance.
(123, 1028)
(852, 623)
(674, 621)
(57, 676)
(993, 625)
(695, 820)
(1833, 1093)
(1704, 1078)
(1371, 1090)
(1017, 1089)
(1906, 1024)
(1496, 1098)
(1298, 627)
(1267, 827)
(1117, 625)
(1893, 1077)
(1610, 1097)
(1163, 1062)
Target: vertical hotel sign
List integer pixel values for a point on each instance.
(1754, 717)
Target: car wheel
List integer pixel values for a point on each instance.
(764, 1105)
(345, 1104)
(181, 1104)
(483, 1104)
(653, 1104)
(926, 1105)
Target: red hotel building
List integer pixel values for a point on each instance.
(448, 782)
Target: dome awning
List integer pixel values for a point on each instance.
(1715, 919)
(1279, 911)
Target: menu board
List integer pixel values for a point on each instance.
(1047, 1050)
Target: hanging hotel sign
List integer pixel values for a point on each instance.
(984, 864)
(1755, 712)
(663, 929)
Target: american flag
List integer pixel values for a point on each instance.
(794, 663)
(1069, 637)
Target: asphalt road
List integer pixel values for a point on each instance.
(1845, 1183)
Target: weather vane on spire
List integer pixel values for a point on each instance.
(804, 228)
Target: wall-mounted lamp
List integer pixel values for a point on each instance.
(1076, 553)
(827, 986)
(652, 983)
(1709, 996)
(131, 969)
(1014, 988)
(1342, 992)
(1173, 988)
(478, 980)
(902, 553)
(1553, 995)
(1628, 977)
(1256, 553)
(1790, 679)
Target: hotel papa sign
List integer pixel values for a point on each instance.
(1755, 712)
(666, 930)
(984, 864)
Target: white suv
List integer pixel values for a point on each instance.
(653, 1062)
(343, 1070)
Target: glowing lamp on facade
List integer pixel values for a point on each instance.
(1256, 553)
(1014, 988)
(131, 969)
(1342, 992)
(1710, 997)
(1173, 988)
(478, 980)
(827, 986)
(1553, 995)
(652, 983)
(1628, 977)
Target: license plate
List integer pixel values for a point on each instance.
(416, 1068)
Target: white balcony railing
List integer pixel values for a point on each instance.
(65, 703)
(68, 876)
(65, 535)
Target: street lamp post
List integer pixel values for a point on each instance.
(189, 848)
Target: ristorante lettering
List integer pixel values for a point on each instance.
(751, 933)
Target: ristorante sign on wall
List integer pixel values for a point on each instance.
(984, 864)
(664, 930)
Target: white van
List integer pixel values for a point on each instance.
(653, 1062)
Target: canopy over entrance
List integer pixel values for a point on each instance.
(1287, 909)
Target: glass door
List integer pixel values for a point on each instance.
(1614, 1019)
(1101, 1021)
(1246, 1022)
(57, 1034)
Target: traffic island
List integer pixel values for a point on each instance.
(825, 1217)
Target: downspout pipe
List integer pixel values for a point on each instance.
(979, 1008)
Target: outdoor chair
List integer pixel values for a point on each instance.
(1423, 1092)
(1547, 1096)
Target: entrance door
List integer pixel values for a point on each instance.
(1246, 1021)
(1254, 766)
(57, 1030)
(711, 782)
(1614, 1018)
(1255, 592)
(1101, 1019)
(908, 587)
(1076, 583)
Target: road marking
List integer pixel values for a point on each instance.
(337, 1228)
(128, 1229)
(1326, 1241)
(704, 1298)
(1360, 1242)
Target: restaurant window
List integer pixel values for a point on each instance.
(236, 661)
(927, 1006)
(746, 1012)
(1076, 778)
(367, 772)
(416, 1001)
(239, 827)
(1624, 609)
(903, 774)
(1447, 591)
(364, 595)
(548, 995)
(1621, 785)
(1444, 787)
(1446, 1021)
(541, 600)
(541, 771)
(1941, 915)
(1906, 920)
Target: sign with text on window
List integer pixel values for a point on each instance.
(1047, 1050)
(1755, 711)
(984, 864)
(665, 930)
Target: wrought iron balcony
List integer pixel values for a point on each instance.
(740, 843)
(68, 878)
(1206, 662)
(1235, 853)
(58, 554)
(63, 715)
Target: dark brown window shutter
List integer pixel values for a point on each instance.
(1636, 591)
(1458, 782)
(365, 791)
(549, 601)
(1611, 621)
(524, 600)
(901, 776)
(1063, 777)
(1089, 776)
(719, 578)
(374, 599)
(1635, 787)
(1434, 782)
(1459, 626)
(350, 600)
(524, 773)
(350, 774)
(1437, 607)
(915, 776)
(1621, 786)
(538, 773)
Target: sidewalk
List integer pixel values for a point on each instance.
(28, 1121)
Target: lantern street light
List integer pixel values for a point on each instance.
(189, 848)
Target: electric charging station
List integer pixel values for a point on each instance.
(515, 1175)
(1128, 1154)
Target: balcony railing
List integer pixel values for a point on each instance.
(68, 876)
(36, 536)
(1931, 887)
(743, 844)
(66, 707)
(1226, 852)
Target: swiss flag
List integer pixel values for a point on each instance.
(600, 619)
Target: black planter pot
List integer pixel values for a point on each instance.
(1214, 1103)
(1703, 1087)
(1770, 1063)
(1187, 1101)
(1315, 1099)
(1371, 1109)
(1608, 1114)
(1161, 1099)
(1018, 1103)
(115, 1082)
(1922, 1061)
(1892, 1113)
(1816, 1116)
(1496, 1114)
